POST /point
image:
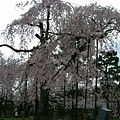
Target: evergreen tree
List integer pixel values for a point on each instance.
(109, 68)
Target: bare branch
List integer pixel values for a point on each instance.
(56, 73)
(48, 15)
(62, 34)
(16, 50)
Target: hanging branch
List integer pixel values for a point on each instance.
(81, 49)
(96, 82)
(86, 84)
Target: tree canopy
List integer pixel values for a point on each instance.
(69, 39)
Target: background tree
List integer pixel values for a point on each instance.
(109, 68)
(8, 78)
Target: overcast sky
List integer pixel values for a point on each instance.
(8, 11)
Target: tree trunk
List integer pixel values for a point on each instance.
(36, 117)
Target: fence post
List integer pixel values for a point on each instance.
(22, 115)
(84, 116)
(55, 117)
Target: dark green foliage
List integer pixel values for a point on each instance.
(109, 68)
(108, 65)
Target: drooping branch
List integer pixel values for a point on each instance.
(73, 57)
(20, 50)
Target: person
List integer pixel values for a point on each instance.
(16, 112)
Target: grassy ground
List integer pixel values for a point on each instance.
(32, 119)
(115, 119)
(15, 119)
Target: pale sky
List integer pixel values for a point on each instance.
(8, 12)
